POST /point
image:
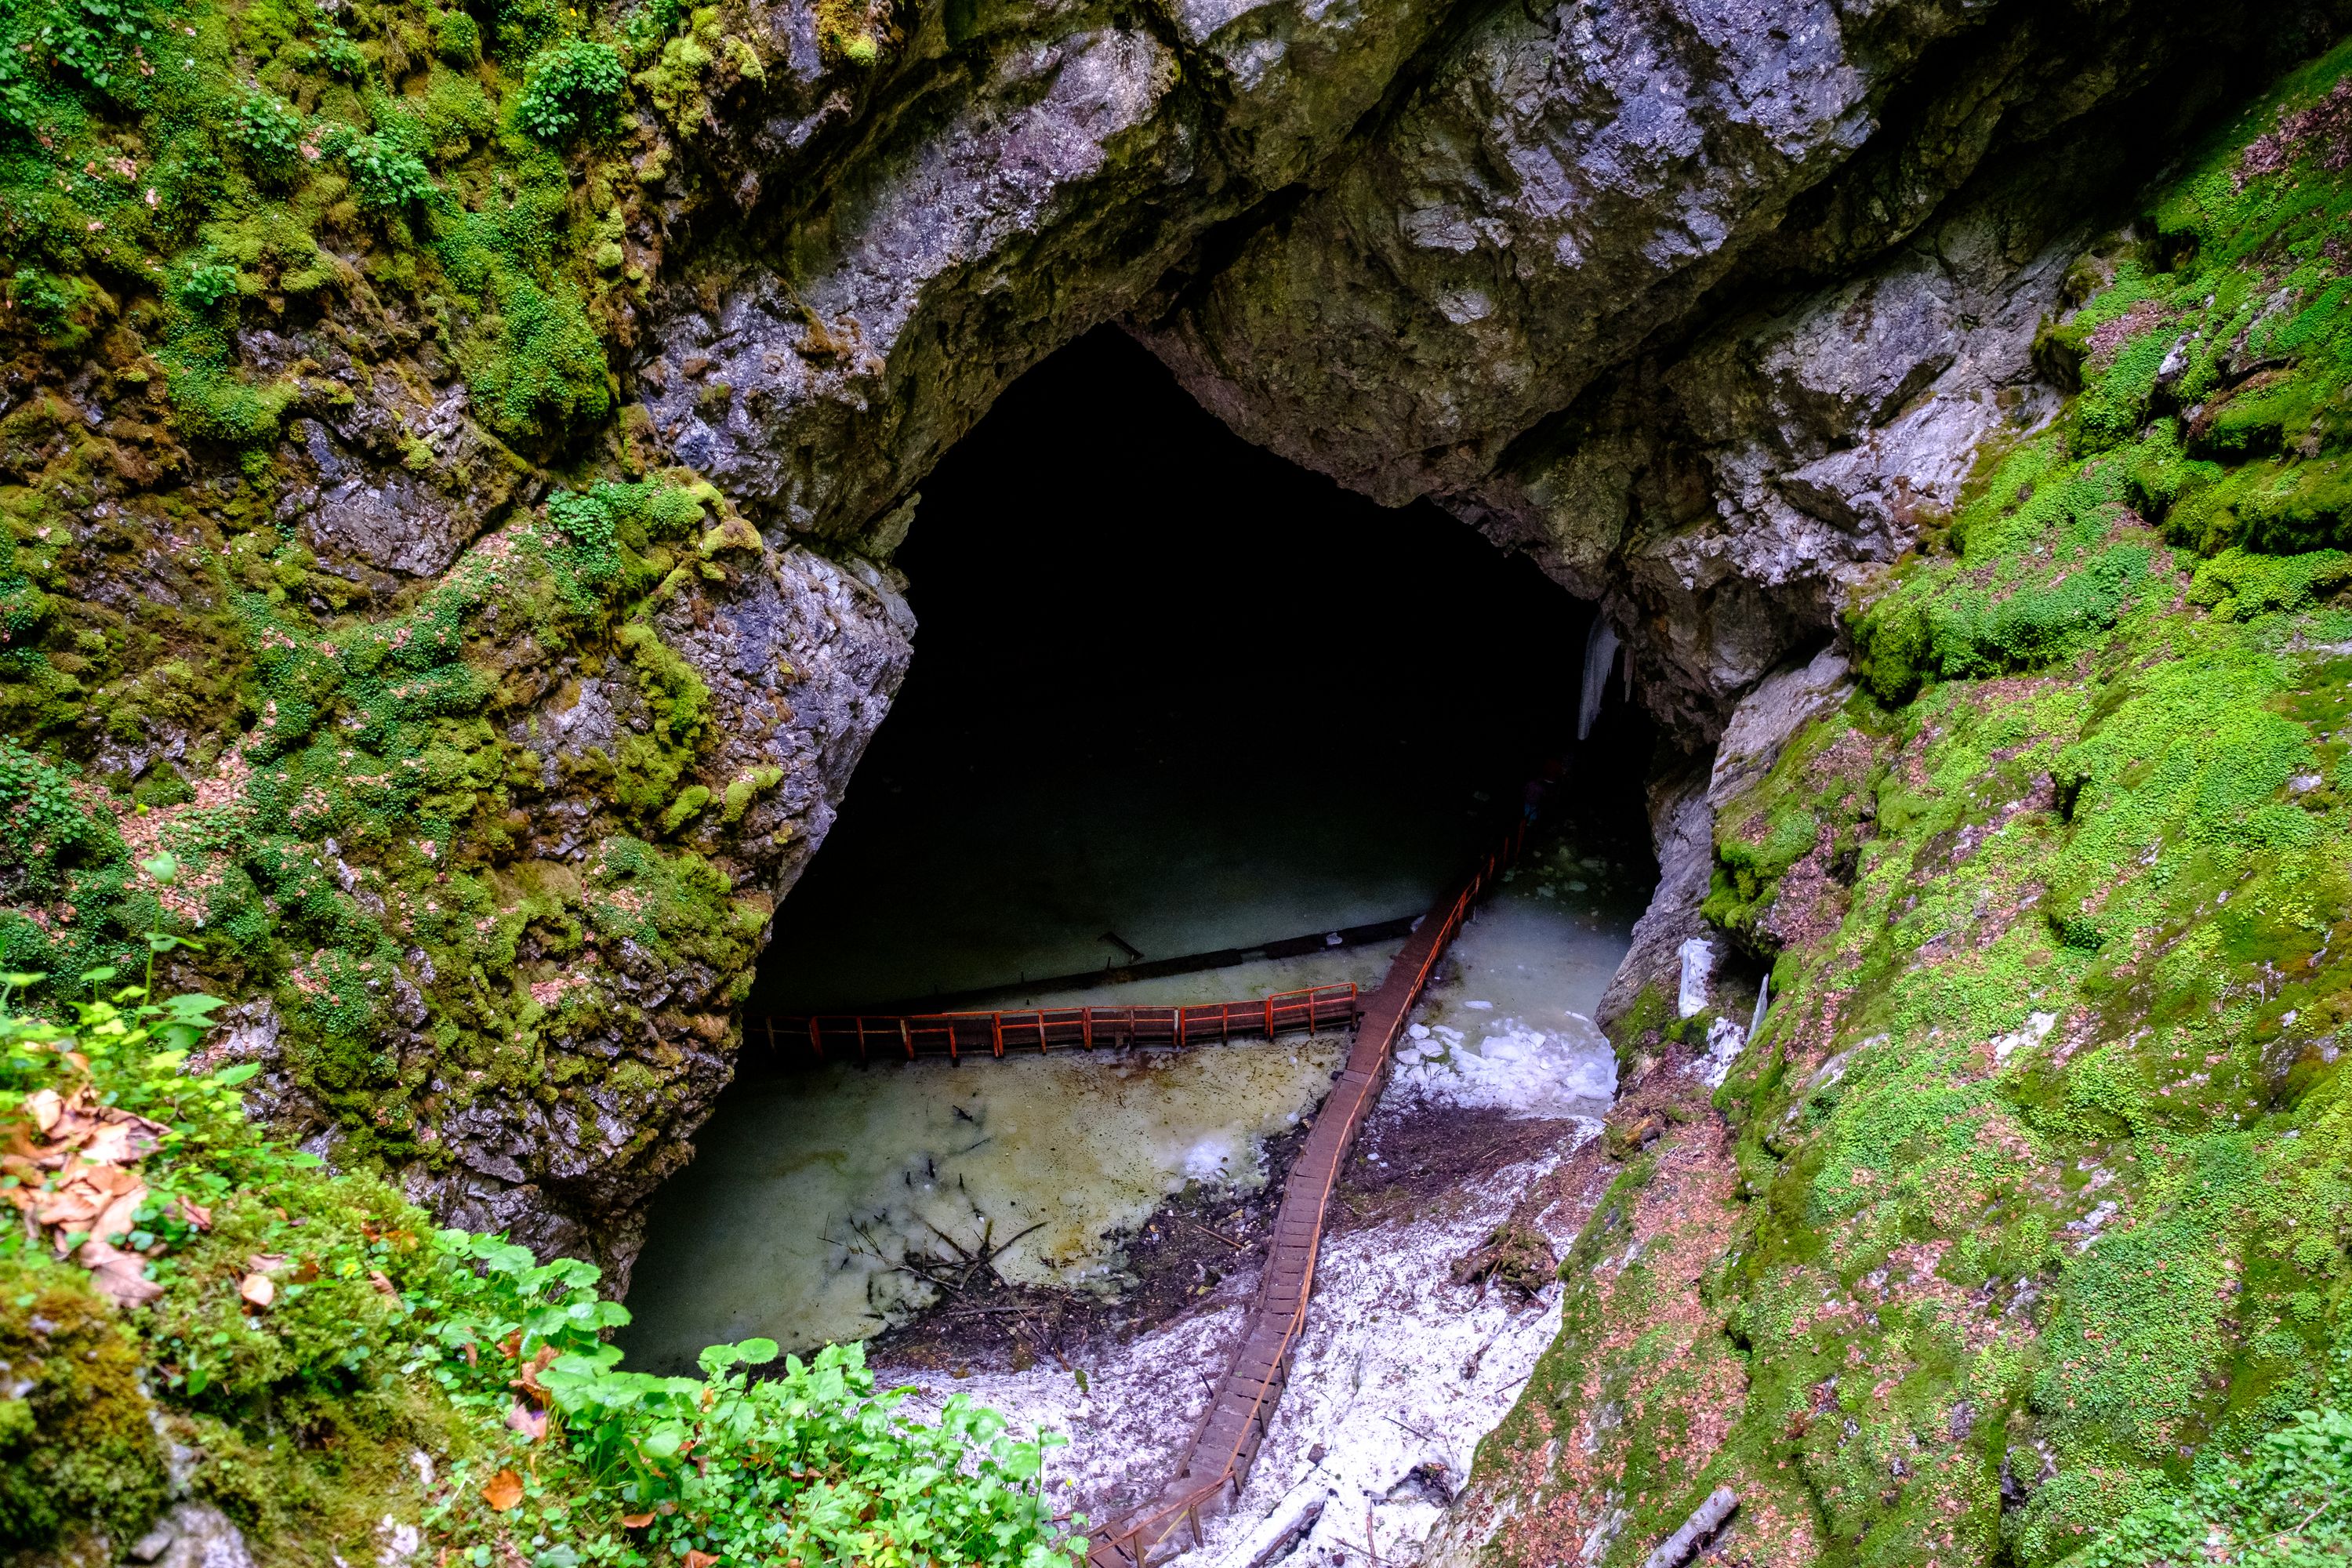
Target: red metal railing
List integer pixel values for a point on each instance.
(904, 1037)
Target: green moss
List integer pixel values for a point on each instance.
(744, 790)
(78, 1445)
(2043, 1149)
(684, 808)
(372, 819)
(538, 363)
(457, 36)
(854, 31)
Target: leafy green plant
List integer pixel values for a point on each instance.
(50, 302)
(269, 131)
(339, 57)
(385, 177)
(278, 1296)
(2285, 1503)
(570, 88)
(206, 285)
(652, 21)
(96, 40)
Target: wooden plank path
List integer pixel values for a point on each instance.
(1241, 1406)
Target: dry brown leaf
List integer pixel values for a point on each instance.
(116, 1219)
(46, 1108)
(528, 1381)
(258, 1288)
(196, 1215)
(699, 1558)
(383, 1286)
(636, 1521)
(504, 1490)
(121, 1275)
(113, 1179)
(70, 1207)
(109, 1145)
(266, 1262)
(531, 1423)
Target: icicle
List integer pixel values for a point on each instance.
(1698, 957)
(1763, 1000)
(1600, 653)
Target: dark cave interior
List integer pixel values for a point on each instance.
(1172, 689)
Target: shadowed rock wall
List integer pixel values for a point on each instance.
(483, 780)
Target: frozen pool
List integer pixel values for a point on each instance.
(828, 1204)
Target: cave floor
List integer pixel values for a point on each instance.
(1489, 1120)
(840, 1204)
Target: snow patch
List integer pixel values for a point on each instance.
(1567, 1071)
(1398, 1376)
(1725, 1041)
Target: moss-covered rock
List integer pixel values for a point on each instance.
(78, 1447)
(2023, 1222)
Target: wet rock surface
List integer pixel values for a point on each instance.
(1700, 304)
(1706, 306)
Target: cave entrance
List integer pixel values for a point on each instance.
(1169, 694)
(1170, 690)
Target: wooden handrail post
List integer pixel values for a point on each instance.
(816, 1040)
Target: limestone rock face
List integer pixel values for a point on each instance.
(1707, 305)
(623, 958)
(1569, 179)
(1812, 445)
(1704, 304)
(1063, 159)
(801, 656)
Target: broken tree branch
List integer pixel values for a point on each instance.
(1290, 1533)
(1704, 1522)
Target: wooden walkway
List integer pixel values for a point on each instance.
(1241, 1406)
(904, 1037)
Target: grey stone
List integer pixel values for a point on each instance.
(1682, 829)
(1065, 160)
(200, 1536)
(1770, 716)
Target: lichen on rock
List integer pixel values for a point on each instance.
(451, 458)
(2020, 1226)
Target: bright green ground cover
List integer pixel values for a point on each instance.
(2051, 1153)
(2038, 1230)
(390, 1373)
